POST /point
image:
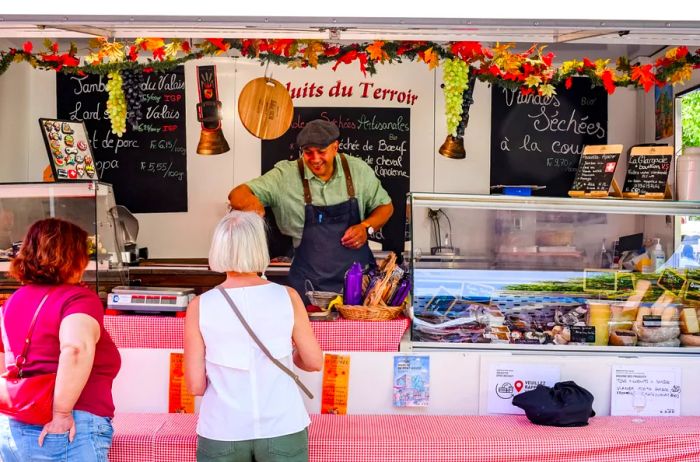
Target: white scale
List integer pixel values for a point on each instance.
(149, 299)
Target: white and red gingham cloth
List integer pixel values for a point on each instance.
(425, 438)
(129, 331)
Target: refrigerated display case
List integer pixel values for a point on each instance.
(90, 205)
(541, 273)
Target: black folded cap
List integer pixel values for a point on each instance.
(567, 404)
(317, 133)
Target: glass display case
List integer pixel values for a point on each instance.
(538, 273)
(90, 205)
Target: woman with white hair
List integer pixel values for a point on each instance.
(251, 409)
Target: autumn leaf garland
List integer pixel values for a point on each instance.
(530, 71)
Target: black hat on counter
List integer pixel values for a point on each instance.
(318, 134)
(567, 404)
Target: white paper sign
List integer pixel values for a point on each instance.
(508, 380)
(654, 391)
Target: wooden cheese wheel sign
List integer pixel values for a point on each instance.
(265, 108)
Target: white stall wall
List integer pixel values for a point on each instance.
(28, 94)
(459, 381)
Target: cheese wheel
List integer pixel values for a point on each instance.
(622, 337)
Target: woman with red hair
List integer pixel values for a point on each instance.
(68, 339)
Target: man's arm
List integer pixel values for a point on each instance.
(242, 198)
(356, 236)
(379, 216)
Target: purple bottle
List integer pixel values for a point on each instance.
(352, 291)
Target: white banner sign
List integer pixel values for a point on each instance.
(646, 390)
(508, 380)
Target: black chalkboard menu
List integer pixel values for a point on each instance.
(647, 172)
(379, 136)
(147, 165)
(537, 140)
(596, 170)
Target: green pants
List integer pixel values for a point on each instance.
(287, 448)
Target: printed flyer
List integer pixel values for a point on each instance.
(411, 381)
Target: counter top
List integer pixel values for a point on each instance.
(148, 331)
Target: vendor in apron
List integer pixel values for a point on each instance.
(329, 203)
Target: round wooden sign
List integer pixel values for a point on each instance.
(265, 108)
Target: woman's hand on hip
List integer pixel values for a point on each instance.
(354, 237)
(62, 422)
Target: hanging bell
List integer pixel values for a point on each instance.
(453, 147)
(212, 142)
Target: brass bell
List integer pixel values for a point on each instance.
(212, 142)
(453, 148)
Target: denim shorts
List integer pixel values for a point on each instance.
(19, 442)
(287, 448)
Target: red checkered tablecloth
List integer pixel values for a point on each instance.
(400, 438)
(341, 335)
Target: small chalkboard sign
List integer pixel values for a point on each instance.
(582, 334)
(672, 281)
(692, 291)
(648, 168)
(596, 171)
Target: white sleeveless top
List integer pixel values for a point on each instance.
(247, 396)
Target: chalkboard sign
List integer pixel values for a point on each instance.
(379, 136)
(147, 165)
(672, 281)
(647, 172)
(582, 334)
(537, 140)
(596, 170)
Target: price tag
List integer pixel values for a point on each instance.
(672, 281)
(582, 334)
(692, 291)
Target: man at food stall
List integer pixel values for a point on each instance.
(329, 203)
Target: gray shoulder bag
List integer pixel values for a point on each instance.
(284, 368)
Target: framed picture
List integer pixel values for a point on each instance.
(68, 148)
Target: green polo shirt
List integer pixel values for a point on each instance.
(281, 190)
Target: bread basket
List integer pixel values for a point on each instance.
(370, 313)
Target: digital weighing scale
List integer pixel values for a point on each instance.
(149, 299)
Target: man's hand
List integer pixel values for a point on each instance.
(354, 237)
(242, 198)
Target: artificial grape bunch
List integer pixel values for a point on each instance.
(455, 75)
(116, 103)
(132, 85)
(467, 101)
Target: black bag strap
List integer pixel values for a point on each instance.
(22, 358)
(264, 349)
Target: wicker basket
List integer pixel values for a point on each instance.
(370, 313)
(319, 298)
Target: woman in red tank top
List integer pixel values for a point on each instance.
(69, 339)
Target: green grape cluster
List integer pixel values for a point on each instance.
(455, 74)
(116, 103)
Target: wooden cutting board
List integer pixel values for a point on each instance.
(265, 108)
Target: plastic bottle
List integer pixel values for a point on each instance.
(352, 291)
(659, 257)
(605, 257)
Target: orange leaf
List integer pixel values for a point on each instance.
(376, 53)
(431, 58)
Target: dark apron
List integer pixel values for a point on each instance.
(321, 258)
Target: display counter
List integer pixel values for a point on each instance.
(552, 274)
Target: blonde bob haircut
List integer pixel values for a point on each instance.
(239, 244)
